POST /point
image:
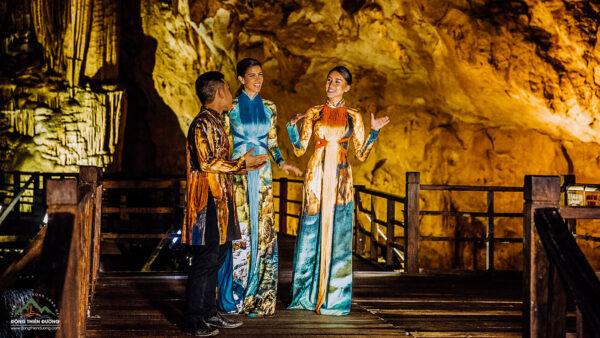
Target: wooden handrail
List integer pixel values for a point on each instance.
(580, 212)
(70, 254)
(361, 188)
(551, 259)
(577, 274)
(136, 184)
(16, 199)
(469, 188)
(411, 219)
(31, 252)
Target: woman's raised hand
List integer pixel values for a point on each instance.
(291, 168)
(379, 123)
(297, 118)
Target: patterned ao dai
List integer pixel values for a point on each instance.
(322, 275)
(248, 278)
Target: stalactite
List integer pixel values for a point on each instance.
(115, 111)
(50, 19)
(83, 130)
(101, 61)
(78, 33)
(20, 121)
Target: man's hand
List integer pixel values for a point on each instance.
(255, 162)
(291, 168)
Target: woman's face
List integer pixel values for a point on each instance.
(252, 80)
(336, 86)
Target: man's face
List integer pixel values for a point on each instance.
(224, 94)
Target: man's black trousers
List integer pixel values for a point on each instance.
(203, 274)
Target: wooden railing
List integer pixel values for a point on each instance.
(386, 239)
(553, 263)
(151, 210)
(386, 229)
(22, 193)
(4, 212)
(74, 210)
(284, 203)
(377, 241)
(489, 213)
(117, 202)
(68, 249)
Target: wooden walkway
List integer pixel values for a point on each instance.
(384, 304)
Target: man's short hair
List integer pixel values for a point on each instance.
(207, 85)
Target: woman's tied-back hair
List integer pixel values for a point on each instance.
(344, 72)
(242, 67)
(244, 64)
(207, 85)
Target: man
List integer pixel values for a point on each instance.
(211, 222)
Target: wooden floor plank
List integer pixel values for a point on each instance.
(467, 304)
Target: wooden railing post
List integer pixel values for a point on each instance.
(359, 235)
(283, 192)
(90, 180)
(489, 261)
(16, 189)
(57, 278)
(544, 296)
(411, 218)
(569, 180)
(373, 233)
(37, 208)
(582, 328)
(389, 253)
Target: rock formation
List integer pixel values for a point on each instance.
(480, 92)
(60, 103)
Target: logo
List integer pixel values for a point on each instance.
(38, 313)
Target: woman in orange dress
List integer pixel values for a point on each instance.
(322, 275)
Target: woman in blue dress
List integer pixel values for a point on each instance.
(248, 278)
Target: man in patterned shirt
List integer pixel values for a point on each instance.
(211, 223)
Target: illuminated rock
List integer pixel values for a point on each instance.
(52, 118)
(479, 92)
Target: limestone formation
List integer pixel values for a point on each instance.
(62, 108)
(480, 92)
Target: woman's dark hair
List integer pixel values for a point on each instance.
(242, 68)
(344, 72)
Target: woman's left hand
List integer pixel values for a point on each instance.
(379, 123)
(291, 168)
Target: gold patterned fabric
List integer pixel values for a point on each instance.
(210, 170)
(322, 277)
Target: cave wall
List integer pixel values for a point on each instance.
(480, 92)
(60, 102)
